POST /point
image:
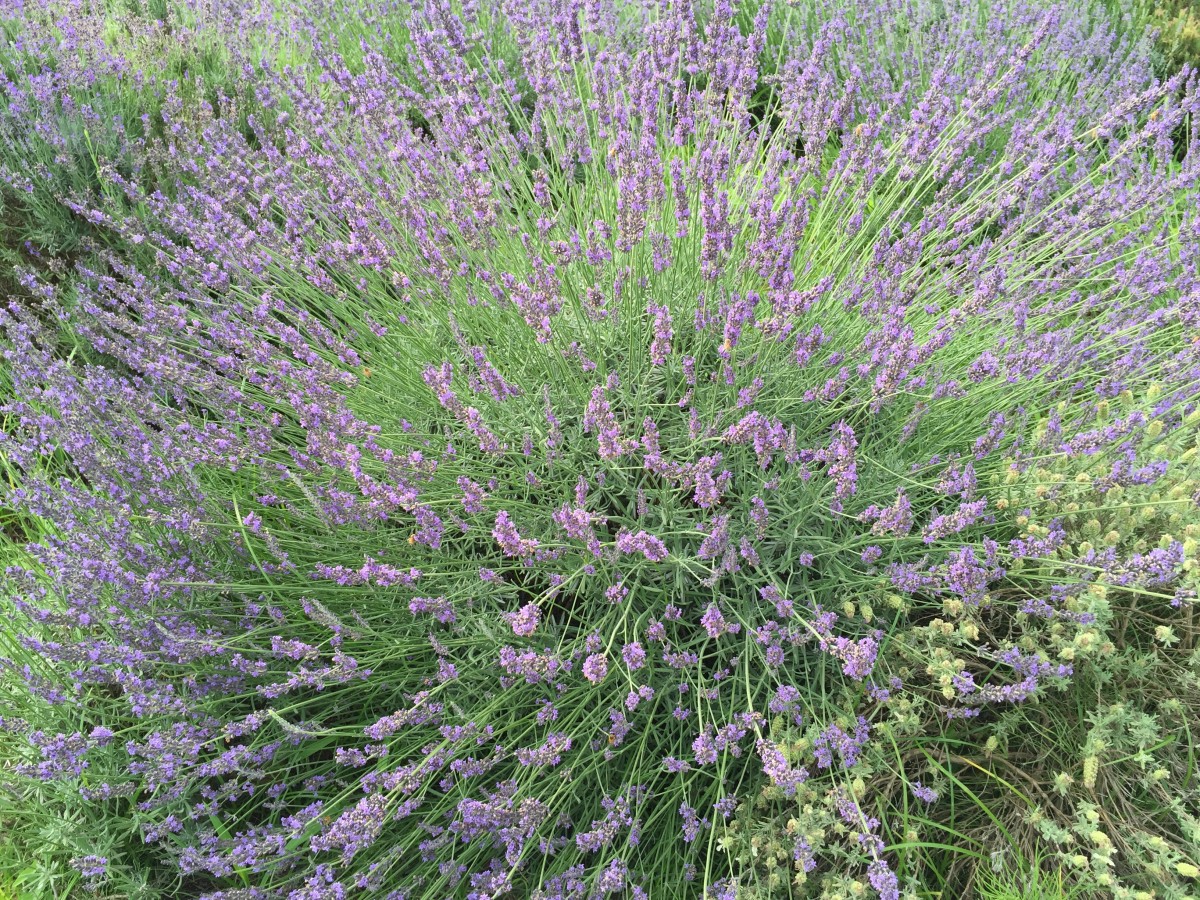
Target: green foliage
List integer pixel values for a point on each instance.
(1178, 24)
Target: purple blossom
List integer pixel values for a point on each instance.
(660, 348)
(726, 806)
(714, 622)
(355, 829)
(633, 655)
(438, 607)
(533, 667)
(767, 436)
(858, 657)
(841, 463)
(524, 622)
(895, 519)
(778, 770)
(692, 823)
(615, 593)
(618, 816)
(91, 866)
(883, 880)
(967, 514)
(577, 523)
(510, 540)
(599, 420)
(550, 753)
(923, 793)
(959, 480)
(501, 819)
(783, 606)
(101, 734)
(786, 700)
(846, 745)
(473, 495)
(612, 878)
(716, 542)
(709, 486)
(638, 696)
(595, 667)
(803, 856)
(647, 544)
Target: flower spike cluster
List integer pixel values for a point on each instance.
(569, 450)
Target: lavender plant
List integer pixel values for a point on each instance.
(566, 449)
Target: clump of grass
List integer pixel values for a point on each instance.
(1031, 880)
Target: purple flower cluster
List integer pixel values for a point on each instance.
(778, 770)
(510, 540)
(847, 745)
(524, 621)
(595, 667)
(660, 347)
(599, 419)
(357, 828)
(646, 544)
(894, 519)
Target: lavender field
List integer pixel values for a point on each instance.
(573, 449)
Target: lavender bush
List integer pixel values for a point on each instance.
(571, 449)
